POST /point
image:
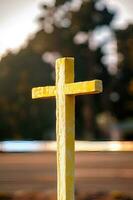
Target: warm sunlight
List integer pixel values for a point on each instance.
(17, 23)
(15, 35)
(20, 22)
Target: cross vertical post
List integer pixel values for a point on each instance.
(65, 129)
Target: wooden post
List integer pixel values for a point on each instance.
(65, 130)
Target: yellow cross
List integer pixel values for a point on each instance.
(65, 92)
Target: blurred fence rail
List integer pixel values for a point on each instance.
(42, 146)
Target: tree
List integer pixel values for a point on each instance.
(65, 30)
(123, 81)
(18, 112)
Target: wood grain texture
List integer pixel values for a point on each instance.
(65, 122)
(82, 88)
(43, 92)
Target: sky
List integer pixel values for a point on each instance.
(18, 19)
(17, 22)
(124, 11)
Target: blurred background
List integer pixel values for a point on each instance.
(98, 34)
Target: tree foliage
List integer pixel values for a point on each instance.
(123, 81)
(65, 30)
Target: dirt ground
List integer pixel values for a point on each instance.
(52, 196)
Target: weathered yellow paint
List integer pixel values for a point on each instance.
(86, 87)
(65, 111)
(65, 91)
(43, 92)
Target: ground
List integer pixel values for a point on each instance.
(98, 174)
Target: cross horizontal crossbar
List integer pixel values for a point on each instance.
(86, 87)
(79, 88)
(43, 92)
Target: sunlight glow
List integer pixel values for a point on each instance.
(14, 36)
(41, 146)
(18, 26)
(123, 10)
(18, 22)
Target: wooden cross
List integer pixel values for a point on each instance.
(65, 92)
